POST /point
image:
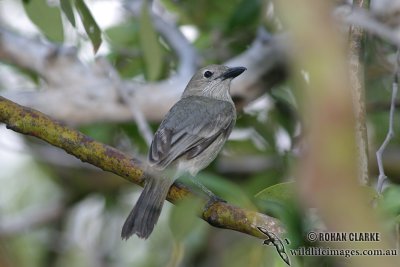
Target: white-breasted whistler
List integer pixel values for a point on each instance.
(188, 139)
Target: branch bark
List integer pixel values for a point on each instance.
(34, 123)
(356, 71)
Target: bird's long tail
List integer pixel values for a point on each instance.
(145, 213)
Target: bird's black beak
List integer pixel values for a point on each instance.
(232, 73)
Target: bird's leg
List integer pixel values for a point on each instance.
(212, 197)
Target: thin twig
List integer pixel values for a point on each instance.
(382, 176)
(142, 123)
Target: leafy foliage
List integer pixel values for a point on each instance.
(67, 8)
(152, 52)
(91, 27)
(46, 18)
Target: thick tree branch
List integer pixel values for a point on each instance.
(31, 122)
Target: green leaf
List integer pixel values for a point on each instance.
(283, 193)
(184, 218)
(46, 18)
(389, 202)
(90, 25)
(124, 35)
(279, 201)
(66, 7)
(99, 131)
(151, 47)
(246, 12)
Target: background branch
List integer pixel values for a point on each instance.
(30, 219)
(365, 20)
(188, 56)
(356, 71)
(82, 93)
(30, 122)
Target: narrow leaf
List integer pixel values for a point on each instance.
(152, 52)
(90, 25)
(46, 18)
(66, 7)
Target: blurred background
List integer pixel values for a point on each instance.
(111, 69)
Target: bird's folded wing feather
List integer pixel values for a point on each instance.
(189, 128)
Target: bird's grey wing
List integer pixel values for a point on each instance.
(189, 128)
(221, 125)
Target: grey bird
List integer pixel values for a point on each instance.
(188, 139)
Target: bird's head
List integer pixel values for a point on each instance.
(212, 81)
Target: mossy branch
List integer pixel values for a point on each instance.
(219, 214)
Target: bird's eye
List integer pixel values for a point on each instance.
(208, 74)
